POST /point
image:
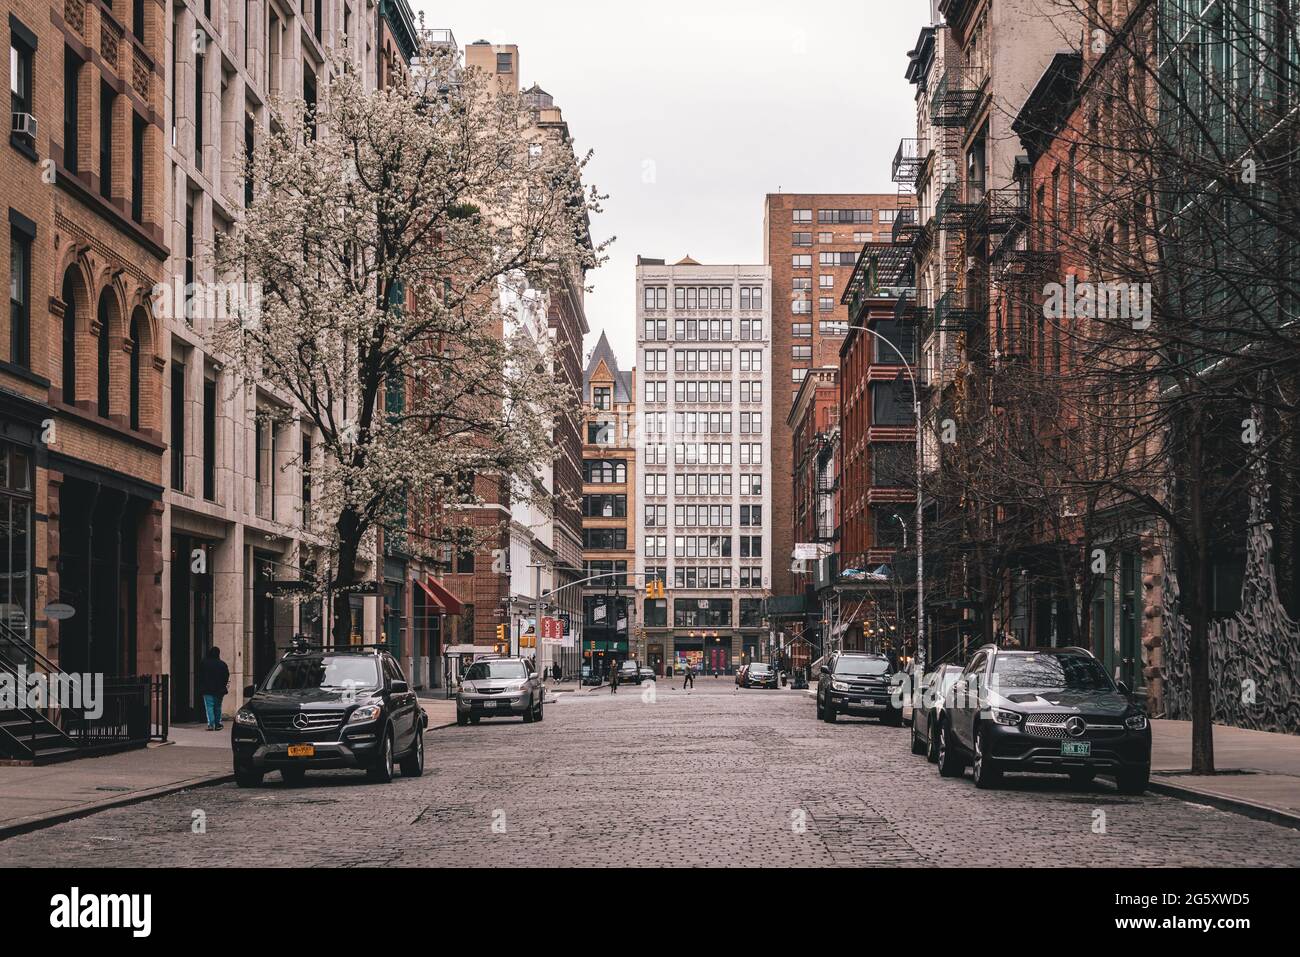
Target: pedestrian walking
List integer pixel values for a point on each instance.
(688, 677)
(555, 672)
(613, 678)
(213, 682)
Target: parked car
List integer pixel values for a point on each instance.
(913, 678)
(929, 705)
(500, 688)
(647, 674)
(857, 682)
(1052, 710)
(318, 709)
(629, 672)
(740, 675)
(759, 675)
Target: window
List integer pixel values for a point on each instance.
(17, 516)
(605, 471)
(889, 404)
(133, 387)
(801, 239)
(826, 281)
(801, 330)
(887, 215)
(71, 109)
(843, 216)
(106, 100)
(505, 63)
(803, 215)
(801, 307)
(105, 351)
(22, 70)
(826, 304)
(465, 562)
(20, 289)
(177, 449)
(655, 297)
(801, 353)
(210, 439)
(802, 260)
(824, 238)
(601, 397)
(137, 167)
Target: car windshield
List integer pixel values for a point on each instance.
(862, 666)
(486, 670)
(1055, 672)
(759, 669)
(327, 671)
(629, 666)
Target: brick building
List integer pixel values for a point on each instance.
(609, 503)
(81, 365)
(811, 242)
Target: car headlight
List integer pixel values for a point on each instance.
(1009, 718)
(367, 712)
(840, 685)
(1136, 722)
(467, 688)
(244, 716)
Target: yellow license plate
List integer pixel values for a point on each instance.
(302, 750)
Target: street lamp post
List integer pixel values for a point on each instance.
(920, 552)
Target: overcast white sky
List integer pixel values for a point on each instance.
(698, 108)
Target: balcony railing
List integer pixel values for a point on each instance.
(906, 227)
(908, 160)
(952, 212)
(955, 96)
(953, 314)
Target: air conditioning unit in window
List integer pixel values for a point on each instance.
(24, 125)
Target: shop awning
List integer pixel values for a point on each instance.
(439, 595)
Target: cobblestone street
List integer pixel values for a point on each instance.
(710, 777)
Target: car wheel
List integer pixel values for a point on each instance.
(247, 778)
(540, 704)
(982, 770)
(293, 776)
(1133, 781)
(918, 746)
(530, 713)
(413, 763)
(931, 742)
(819, 709)
(1081, 779)
(950, 765)
(381, 771)
(828, 712)
(474, 719)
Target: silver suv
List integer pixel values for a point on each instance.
(499, 688)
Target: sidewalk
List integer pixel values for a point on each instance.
(36, 797)
(1259, 772)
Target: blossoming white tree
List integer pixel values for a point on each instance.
(392, 233)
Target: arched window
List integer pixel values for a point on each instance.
(69, 338)
(136, 347)
(105, 317)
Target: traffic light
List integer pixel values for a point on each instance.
(655, 589)
(501, 633)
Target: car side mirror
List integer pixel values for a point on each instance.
(1123, 688)
(826, 670)
(399, 687)
(250, 691)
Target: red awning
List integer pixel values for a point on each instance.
(449, 603)
(431, 596)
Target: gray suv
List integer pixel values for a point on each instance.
(499, 688)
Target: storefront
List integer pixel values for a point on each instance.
(191, 620)
(17, 526)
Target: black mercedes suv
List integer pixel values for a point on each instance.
(1048, 709)
(329, 708)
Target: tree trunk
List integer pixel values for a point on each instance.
(1198, 646)
(348, 527)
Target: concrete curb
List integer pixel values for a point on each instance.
(36, 823)
(1223, 802)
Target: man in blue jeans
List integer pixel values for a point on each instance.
(213, 682)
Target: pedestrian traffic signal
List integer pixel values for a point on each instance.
(655, 589)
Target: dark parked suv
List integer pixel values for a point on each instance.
(1049, 709)
(855, 682)
(327, 708)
